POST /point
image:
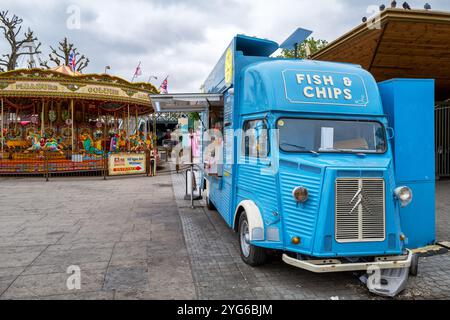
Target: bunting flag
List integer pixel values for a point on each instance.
(72, 60)
(164, 86)
(138, 71)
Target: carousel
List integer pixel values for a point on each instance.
(61, 121)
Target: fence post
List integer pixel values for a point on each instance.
(154, 166)
(147, 162)
(105, 165)
(46, 169)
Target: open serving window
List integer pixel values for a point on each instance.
(211, 107)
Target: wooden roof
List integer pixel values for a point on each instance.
(406, 44)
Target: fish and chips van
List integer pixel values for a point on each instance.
(318, 161)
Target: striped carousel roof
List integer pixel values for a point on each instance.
(66, 70)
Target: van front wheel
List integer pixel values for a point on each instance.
(250, 254)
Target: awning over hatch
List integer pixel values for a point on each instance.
(185, 102)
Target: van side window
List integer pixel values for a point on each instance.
(256, 139)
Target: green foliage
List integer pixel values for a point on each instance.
(194, 116)
(314, 45)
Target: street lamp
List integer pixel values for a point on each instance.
(107, 68)
(152, 77)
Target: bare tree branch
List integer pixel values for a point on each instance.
(62, 55)
(11, 27)
(44, 64)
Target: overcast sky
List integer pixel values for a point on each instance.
(182, 39)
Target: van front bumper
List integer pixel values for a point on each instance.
(335, 265)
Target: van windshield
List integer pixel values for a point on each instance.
(340, 136)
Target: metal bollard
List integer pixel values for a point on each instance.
(190, 178)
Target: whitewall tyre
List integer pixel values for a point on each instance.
(250, 254)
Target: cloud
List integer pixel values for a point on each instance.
(182, 39)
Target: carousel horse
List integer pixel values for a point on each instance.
(88, 145)
(114, 145)
(98, 144)
(149, 141)
(61, 143)
(98, 141)
(35, 143)
(136, 143)
(53, 146)
(123, 141)
(133, 142)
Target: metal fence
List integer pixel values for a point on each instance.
(49, 164)
(443, 141)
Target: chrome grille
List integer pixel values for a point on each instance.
(360, 210)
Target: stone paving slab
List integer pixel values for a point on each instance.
(443, 210)
(124, 234)
(19, 256)
(48, 284)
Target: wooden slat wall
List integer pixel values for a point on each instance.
(404, 49)
(362, 48)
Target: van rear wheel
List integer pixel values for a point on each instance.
(209, 204)
(250, 254)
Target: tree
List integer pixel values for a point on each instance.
(194, 116)
(11, 27)
(61, 56)
(314, 46)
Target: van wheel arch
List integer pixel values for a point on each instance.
(237, 217)
(255, 219)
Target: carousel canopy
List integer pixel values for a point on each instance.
(66, 70)
(108, 92)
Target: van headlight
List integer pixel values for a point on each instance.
(300, 194)
(404, 195)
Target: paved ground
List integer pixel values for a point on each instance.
(219, 272)
(125, 235)
(136, 239)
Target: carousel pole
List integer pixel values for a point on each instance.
(128, 128)
(35, 112)
(146, 127)
(155, 136)
(16, 118)
(49, 121)
(2, 126)
(137, 121)
(72, 111)
(42, 117)
(105, 152)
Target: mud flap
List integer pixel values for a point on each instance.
(386, 282)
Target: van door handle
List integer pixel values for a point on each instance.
(268, 164)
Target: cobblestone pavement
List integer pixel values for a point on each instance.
(219, 272)
(443, 210)
(135, 238)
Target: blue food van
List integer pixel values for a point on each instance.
(320, 162)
